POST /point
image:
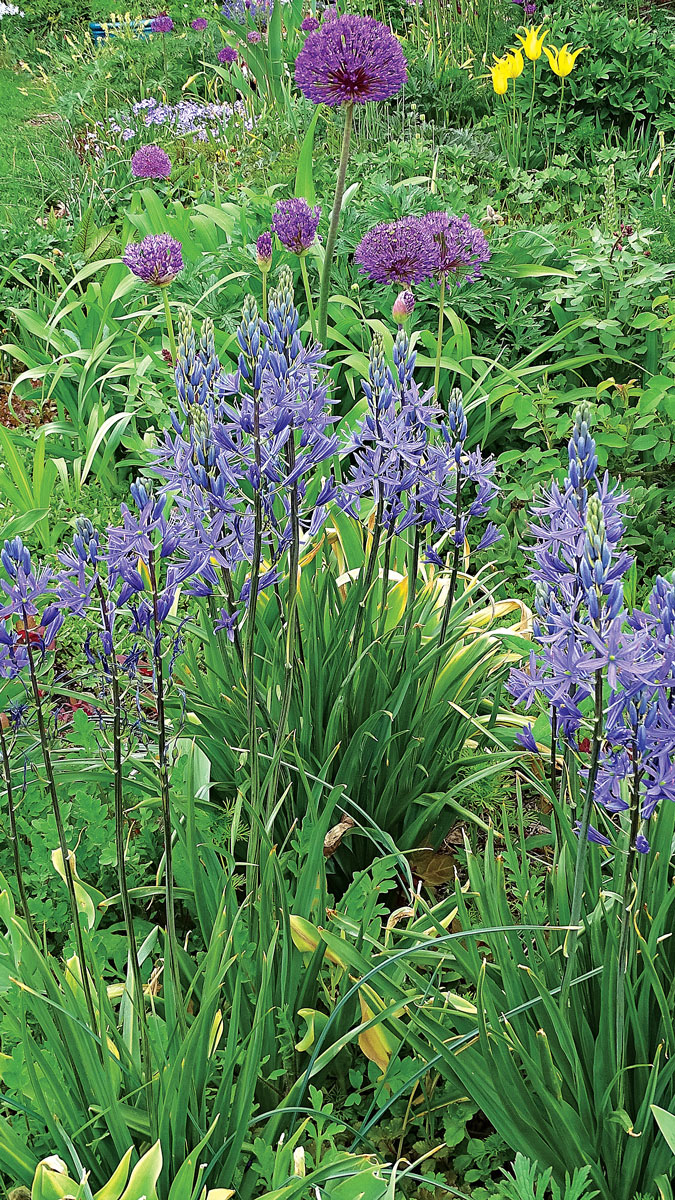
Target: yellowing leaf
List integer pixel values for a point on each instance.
(374, 1042)
(85, 903)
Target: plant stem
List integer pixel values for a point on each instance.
(60, 830)
(450, 597)
(529, 118)
(13, 835)
(169, 326)
(291, 629)
(165, 793)
(120, 848)
(334, 223)
(264, 295)
(367, 579)
(308, 294)
(249, 665)
(572, 938)
(439, 343)
(557, 122)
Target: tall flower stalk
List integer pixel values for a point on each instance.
(346, 61)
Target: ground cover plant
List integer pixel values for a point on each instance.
(337, 599)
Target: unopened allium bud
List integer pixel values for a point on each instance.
(264, 251)
(403, 307)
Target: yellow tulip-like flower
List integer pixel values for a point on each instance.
(500, 77)
(532, 43)
(514, 62)
(563, 60)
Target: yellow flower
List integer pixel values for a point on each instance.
(500, 77)
(515, 64)
(563, 60)
(532, 44)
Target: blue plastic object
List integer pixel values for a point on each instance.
(98, 33)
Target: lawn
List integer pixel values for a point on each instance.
(337, 471)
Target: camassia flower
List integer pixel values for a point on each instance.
(532, 42)
(562, 61)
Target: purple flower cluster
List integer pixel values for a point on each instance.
(238, 12)
(309, 24)
(295, 223)
(587, 639)
(200, 24)
(417, 248)
(156, 260)
(414, 465)
(350, 60)
(254, 36)
(161, 24)
(227, 56)
(150, 162)
(260, 432)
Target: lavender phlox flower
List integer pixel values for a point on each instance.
(350, 60)
(156, 260)
(295, 223)
(401, 252)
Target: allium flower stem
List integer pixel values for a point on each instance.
(334, 223)
(572, 938)
(165, 794)
(169, 326)
(439, 342)
(120, 848)
(60, 830)
(13, 835)
(308, 294)
(264, 296)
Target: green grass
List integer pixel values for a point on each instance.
(31, 155)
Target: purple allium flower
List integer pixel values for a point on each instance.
(460, 247)
(200, 24)
(253, 36)
(350, 60)
(151, 162)
(227, 55)
(529, 9)
(161, 24)
(309, 24)
(403, 307)
(264, 250)
(295, 224)
(156, 260)
(401, 252)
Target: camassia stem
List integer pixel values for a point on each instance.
(13, 834)
(60, 830)
(334, 223)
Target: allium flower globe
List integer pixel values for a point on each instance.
(161, 24)
(349, 61)
(200, 24)
(254, 37)
(403, 307)
(295, 224)
(151, 162)
(309, 24)
(227, 55)
(460, 247)
(156, 260)
(400, 252)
